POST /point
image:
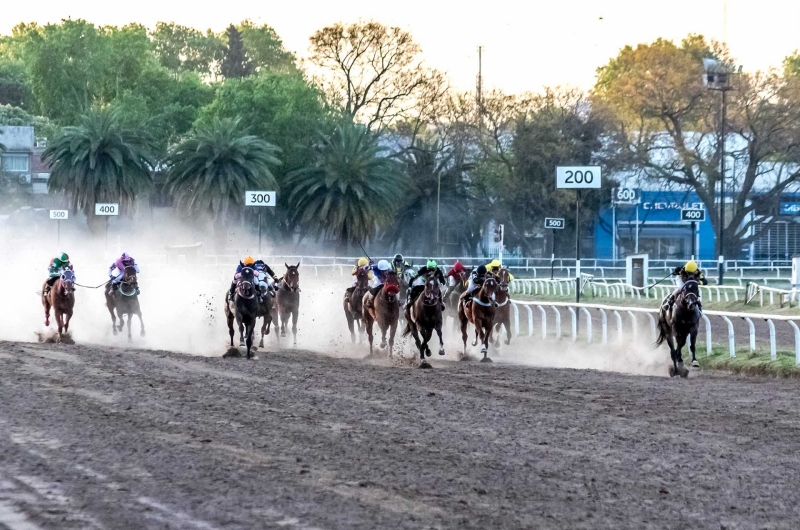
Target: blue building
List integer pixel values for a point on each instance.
(656, 222)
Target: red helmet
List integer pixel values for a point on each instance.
(458, 267)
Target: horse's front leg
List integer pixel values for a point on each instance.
(682, 370)
(673, 353)
(284, 317)
(130, 327)
(368, 325)
(507, 324)
(439, 333)
(384, 329)
(110, 307)
(59, 322)
(141, 323)
(392, 331)
(68, 316)
(121, 317)
(263, 331)
(426, 337)
(692, 344)
(295, 315)
(250, 329)
(241, 333)
(46, 304)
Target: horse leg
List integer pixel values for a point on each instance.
(295, 316)
(121, 317)
(59, 322)
(673, 354)
(392, 331)
(441, 341)
(141, 323)
(241, 333)
(263, 331)
(130, 317)
(46, 304)
(682, 370)
(486, 338)
(426, 337)
(284, 317)
(68, 316)
(692, 344)
(110, 307)
(368, 325)
(384, 328)
(250, 327)
(230, 326)
(507, 324)
(463, 319)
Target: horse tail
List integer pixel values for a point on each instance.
(663, 329)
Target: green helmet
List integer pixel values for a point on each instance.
(63, 257)
(431, 264)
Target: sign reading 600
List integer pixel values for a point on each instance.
(259, 198)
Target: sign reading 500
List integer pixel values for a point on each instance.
(259, 198)
(578, 177)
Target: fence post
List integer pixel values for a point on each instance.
(530, 320)
(708, 334)
(588, 325)
(635, 325)
(752, 333)
(731, 342)
(796, 342)
(544, 321)
(558, 322)
(652, 325)
(604, 325)
(773, 355)
(619, 325)
(516, 319)
(574, 323)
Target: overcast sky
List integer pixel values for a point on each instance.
(527, 44)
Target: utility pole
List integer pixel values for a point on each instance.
(479, 82)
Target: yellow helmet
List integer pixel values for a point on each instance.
(495, 264)
(249, 260)
(362, 262)
(690, 266)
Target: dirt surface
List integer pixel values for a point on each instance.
(96, 437)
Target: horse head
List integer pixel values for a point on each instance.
(408, 275)
(431, 295)
(391, 285)
(690, 294)
(503, 278)
(68, 282)
(246, 284)
(489, 289)
(292, 277)
(362, 278)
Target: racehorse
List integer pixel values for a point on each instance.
(383, 310)
(266, 312)
(453, 294)
(353, 299)
(679, 322)
(480, 312)
(425, 315)
(125, 300)
(502, 314)
(405, 284)
(244, 307)
(62, 299)
(288, 298)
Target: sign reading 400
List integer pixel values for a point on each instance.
(259, 198)
(578, 176)
(110, 208)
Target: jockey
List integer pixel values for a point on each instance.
(418, 282)
(476, 280)
(690, 271)
(494, 266)
(457, 269)
(248, 262)
(363, 263)
(399, 264)
(264, 271)
(58, 265)
(380, 271)
(117, 269)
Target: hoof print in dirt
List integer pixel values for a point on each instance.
(232, 353)
(486, 360)
(425, 365)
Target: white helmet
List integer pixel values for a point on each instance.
(383, 265)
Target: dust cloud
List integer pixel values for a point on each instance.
(182, 300)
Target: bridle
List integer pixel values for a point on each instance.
(245, 288)
(295, 279)
(489, 286)
(689, 299)
(431, 296)
(67, 282)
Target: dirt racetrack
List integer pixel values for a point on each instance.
(95, 437)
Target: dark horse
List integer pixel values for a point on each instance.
(62, 299)
(266, 311)
(383, 310)
(679, 322)
(244, 308)
(425, 315)
(125, 300)
(288, 298)
(353, 299)
(453, 293)
(480, 312)
(502, 314)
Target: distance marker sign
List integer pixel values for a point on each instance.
(106, 208)
(259, 198)
(554, 222)
(693, 215)
(578, 177)
(59, 215)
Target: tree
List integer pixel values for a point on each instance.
(350, 191)
(212, 168)
(235, 62)
(100, 160)
(184, 49)
(374, 73)
(665, 128)
(16, 116)
(265, 49)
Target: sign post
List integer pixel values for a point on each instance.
(623, 196)
(259, 198)
(59, 215)
(578, 178)
(106, 209)
(553, 223)
(693, 216)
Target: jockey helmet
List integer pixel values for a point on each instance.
(690, 266)
(481, 270)
(363, 262)
(458, 267)
(495, 264)
(63, 257)
(383, 265)
(431, 264)
(124, 256)
(398, 258)
(248, 261)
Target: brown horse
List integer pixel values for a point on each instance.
(62, 299)
(480, 312)
(502, 315)
(288, 298)
(353, 299)
(125, 300)
(384, 310)
(425, 315)
(453, 294)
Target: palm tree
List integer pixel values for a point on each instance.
(100, 160)
(210, 170)
(437, 201)
(349, 191)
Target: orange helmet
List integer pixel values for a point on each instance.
(248, 261)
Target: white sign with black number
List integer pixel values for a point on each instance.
(577, 177)
(626, 195)
(106, 208)
(554, 222)
(59, 215)
(693, 215)
(259, 198)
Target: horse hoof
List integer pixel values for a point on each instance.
(425, 365)
(486, 360)
(115, 331)
(427, 353)
(695, 364)
(671, 370)
(441, 351)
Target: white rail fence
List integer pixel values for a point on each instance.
(636, 315)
